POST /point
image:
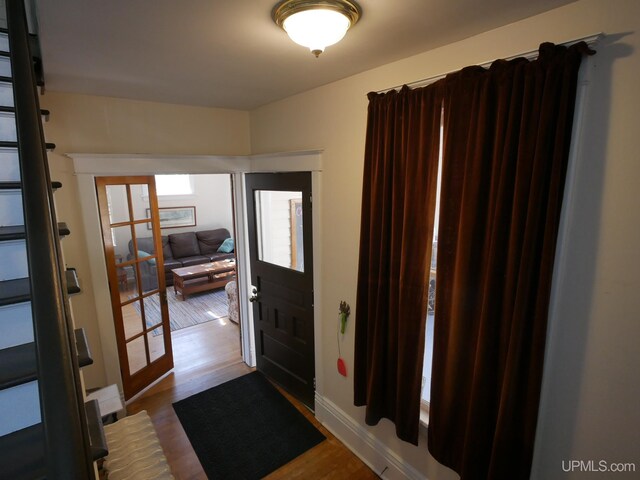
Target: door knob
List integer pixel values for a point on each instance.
(255, 295)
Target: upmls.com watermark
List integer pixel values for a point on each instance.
(597, 466)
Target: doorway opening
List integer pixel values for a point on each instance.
(200, 265)
(189, 261)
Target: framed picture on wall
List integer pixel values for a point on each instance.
(175, 217)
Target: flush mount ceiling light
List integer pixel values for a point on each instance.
(316, 24)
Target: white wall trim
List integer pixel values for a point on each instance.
(316, 215)
(144, 164)
(244, 270)
(363, 443)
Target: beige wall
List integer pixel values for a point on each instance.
(89, 124)
(591, 386)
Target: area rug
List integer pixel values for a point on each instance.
(196, 309)
(245, 428)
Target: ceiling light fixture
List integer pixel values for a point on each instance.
(316, 24)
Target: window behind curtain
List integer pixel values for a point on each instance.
(425, 395)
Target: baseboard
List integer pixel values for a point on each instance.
(380, 458)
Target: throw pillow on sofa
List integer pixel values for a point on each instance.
(227, 246)
(142, 254)
(210, 240)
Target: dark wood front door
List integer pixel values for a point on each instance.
(280, 247)
(133, 252)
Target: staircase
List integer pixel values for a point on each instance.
(46, 428)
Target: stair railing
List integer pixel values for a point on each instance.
(67, 446)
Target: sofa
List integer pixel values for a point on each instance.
(180, 250)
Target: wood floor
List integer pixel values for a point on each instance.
(205, 356)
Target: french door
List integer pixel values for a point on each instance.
(133, 253)
(280, 250)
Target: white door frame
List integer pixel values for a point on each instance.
(88, 166)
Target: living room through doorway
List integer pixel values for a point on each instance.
(197, 218)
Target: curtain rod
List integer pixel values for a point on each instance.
(590, 40)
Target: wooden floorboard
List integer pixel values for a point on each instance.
(207, 355)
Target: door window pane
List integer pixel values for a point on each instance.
(118, 203)
(152, 313)
(148, 275)
(144, 232)
(137, 355)
(156, 344)
(140, 200)
(122, 244)
(279, 222)
(121, 238)
(131, 319)
(127, 284)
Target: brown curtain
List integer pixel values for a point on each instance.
(398, 202)
(506, 143)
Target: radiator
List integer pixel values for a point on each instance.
(134, 450)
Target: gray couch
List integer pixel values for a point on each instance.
(181, 250)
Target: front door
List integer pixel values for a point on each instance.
(133, 254)
(280, 248)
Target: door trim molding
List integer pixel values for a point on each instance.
(116, 164)
(89, 165)
(304, 161)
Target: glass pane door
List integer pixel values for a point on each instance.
(133, 252)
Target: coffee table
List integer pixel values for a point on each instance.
(203, 277)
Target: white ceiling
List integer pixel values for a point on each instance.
(229, 53)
